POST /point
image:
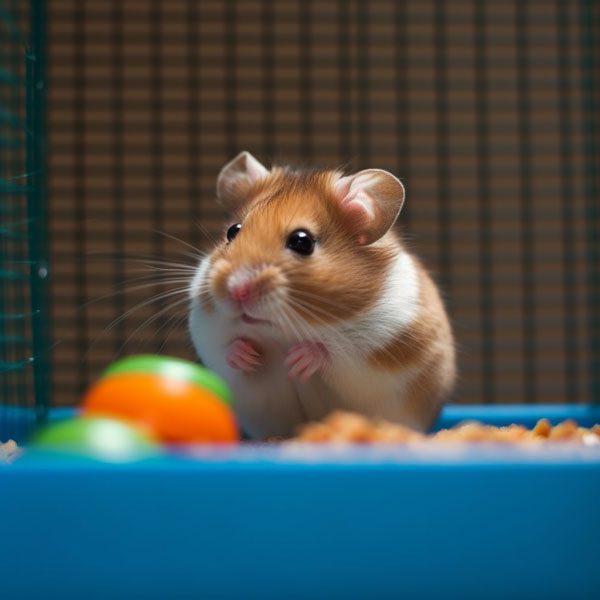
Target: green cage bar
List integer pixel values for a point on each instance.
(24, 348)
(38, 248)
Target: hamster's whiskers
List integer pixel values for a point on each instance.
(153, 318)
(149, 272)
(195, 253)
(335, 340)
(143, 282)
(147, 302)
(310, 297)
(287, 323)
(304, 299)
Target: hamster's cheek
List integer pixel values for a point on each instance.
(217, 279)
(199, 292)
(327, 296)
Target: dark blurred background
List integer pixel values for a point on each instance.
(486, 110)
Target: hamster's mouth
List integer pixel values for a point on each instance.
(246, 318)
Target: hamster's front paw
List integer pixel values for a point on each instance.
(244, 355)
(305, 359)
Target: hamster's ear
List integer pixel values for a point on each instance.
(236, 177)
(371, 201)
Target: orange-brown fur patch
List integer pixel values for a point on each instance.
(340, 280)
(219, 272)
(429, 390)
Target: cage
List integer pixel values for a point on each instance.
(24, 349)
(116, 118)
(486, 112)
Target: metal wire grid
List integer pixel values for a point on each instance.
(487, 110)
(24, 351)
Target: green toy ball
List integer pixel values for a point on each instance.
(176, 368)
(96, 437)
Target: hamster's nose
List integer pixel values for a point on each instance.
(240, 292)
(241, 287)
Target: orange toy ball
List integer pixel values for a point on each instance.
(176, 411)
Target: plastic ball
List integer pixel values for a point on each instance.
(99, 438)
(171, 367)
(167, 401)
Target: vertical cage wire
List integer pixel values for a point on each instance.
(36, 205)
(24, 270)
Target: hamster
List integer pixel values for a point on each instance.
(312, 303)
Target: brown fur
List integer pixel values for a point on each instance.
(337, 285)
(430, 388)
(344, 277)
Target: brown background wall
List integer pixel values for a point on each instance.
(477, 106)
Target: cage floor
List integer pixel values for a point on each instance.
(277, 522)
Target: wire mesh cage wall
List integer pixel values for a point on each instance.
(24, 351)
(484, 109)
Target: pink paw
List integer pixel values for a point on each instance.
(242, 354)
(305, 359)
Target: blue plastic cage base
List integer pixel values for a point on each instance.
(277, 521)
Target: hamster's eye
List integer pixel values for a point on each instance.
(233, 231)
(301, 242)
